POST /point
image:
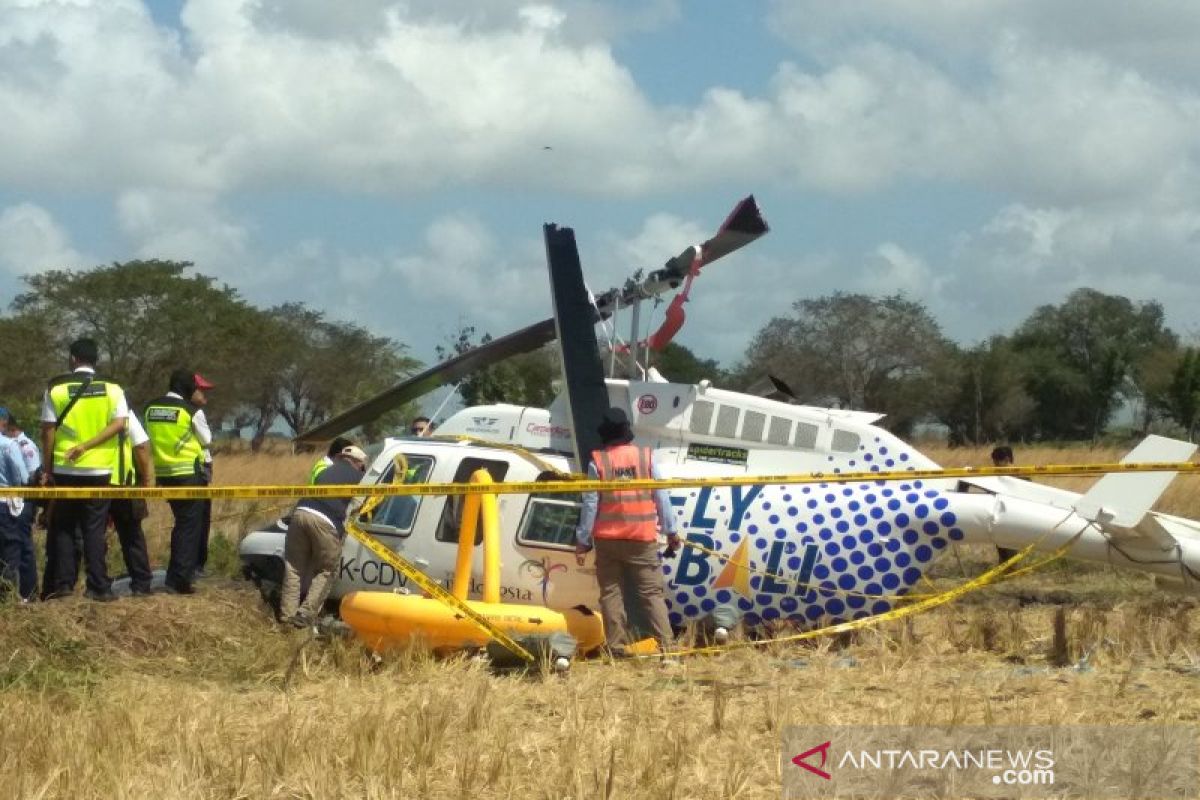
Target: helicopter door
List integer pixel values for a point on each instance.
(448, 526)
(392, 522)
(546, 543)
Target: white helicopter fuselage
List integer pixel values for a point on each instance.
(812, 553)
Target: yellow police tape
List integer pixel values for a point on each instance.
(572, 486)
(992, 575)
(432, 587)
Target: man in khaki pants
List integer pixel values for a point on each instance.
(314, 540)
(624, 528)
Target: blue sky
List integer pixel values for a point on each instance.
(385, 161)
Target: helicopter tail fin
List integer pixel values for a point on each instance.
(1122, 500)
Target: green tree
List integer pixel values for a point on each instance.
(1152, 378)
(983, 397)
(250, 377)
(524, 380)
(1182, 398)
(29, 360)
(854, 350)
(331, 366)
(148, 317)
(151, 317)
(679, 364)
(1081, 359)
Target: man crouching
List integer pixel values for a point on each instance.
(314, 540)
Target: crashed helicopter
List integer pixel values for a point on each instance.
(814, 554)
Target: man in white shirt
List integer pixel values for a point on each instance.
(200, 400)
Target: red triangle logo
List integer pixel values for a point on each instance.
(823, 749)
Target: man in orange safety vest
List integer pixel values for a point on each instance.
(623, 528)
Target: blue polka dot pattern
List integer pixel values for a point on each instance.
(858, 540)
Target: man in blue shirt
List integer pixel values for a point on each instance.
(33, 463)
(12, 543)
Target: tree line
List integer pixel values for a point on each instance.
(288, 364)
(1061, 375)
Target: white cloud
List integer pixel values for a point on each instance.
(1025, 257)
(892, 269)
(1155, 37)
(255, 96)
(185, 226)
(730, 300)
(106, 100)
(31, 240)
(1080, 117)
(463, 275)
(579, 21)
(543, 17)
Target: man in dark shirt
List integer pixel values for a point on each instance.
(1002, 456)
(314, 540)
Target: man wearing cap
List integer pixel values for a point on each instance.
(339, 444)
(200, 400)
(623, 528)
(82, 414)
(314, 541)
(179, 434)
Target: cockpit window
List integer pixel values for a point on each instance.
(550, 521)
(395, 515)
(844, 441)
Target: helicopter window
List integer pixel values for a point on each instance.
(806, 436)
(395, 515)
(550, 520)
(702, 414)
(447, 530)
(727, 421)
(752, 428)
(844, 441)
(780, 431)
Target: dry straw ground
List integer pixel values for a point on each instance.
(200, 697)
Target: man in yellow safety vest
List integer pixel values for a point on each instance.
(179, 433)
(82, 414)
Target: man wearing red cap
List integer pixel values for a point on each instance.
(179, 435)
(200, 400)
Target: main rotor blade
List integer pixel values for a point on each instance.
(523, 341)
(743, 225)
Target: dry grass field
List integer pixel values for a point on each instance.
(202, 697)
(232, 519)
